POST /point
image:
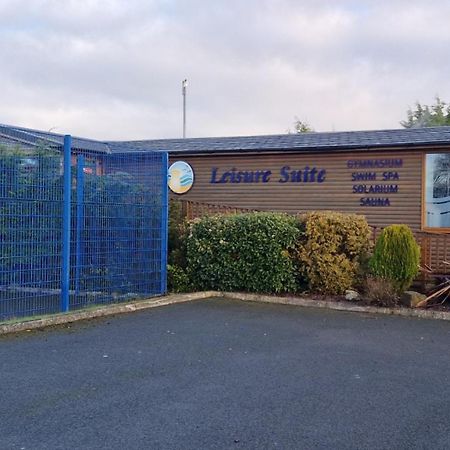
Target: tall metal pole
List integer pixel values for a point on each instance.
(184, 84)
(65, 263)
(164, 220)
(80, 221)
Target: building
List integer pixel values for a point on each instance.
(390, 176)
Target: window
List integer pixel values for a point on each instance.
(437, 190)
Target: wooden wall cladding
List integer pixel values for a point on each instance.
(397, 172)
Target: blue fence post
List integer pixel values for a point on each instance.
(164, 221)
(80, 221)
(65, 270)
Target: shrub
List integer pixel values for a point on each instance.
(177, 279)
(244, 252)
(396, 256)
(380, 292)
(331, 248)
(177, 235)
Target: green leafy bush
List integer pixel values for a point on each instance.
(244, 252)
(330, 251)
(177, 279)
(396, 256)
(177, 235)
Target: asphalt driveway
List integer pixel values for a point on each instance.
(223, 374)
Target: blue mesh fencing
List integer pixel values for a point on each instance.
(116, 229)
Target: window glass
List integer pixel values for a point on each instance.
(437, 190)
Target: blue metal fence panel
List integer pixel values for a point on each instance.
(30, 234)
(119, 235)
(116, 227)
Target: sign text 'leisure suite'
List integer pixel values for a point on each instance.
(283, 175)
(383, 173)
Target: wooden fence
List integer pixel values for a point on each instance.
(192, 210)
(435, 252)
(435, 247)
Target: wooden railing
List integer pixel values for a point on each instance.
(435, 252)
(435, 248)
(193, 210)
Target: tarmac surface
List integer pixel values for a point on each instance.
(224, 374)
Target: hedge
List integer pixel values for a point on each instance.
(323, 252)
(244, 252)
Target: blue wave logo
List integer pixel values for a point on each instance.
(186, 179)
(181, 177)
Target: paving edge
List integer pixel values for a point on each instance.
(103, 311)
(154, 302)
(339, 306)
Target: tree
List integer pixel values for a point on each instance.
(436, 115)
(301, 127)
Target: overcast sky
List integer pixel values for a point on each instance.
(112, 69)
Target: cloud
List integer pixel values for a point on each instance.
(113, 69)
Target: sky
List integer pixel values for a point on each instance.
(112, 69)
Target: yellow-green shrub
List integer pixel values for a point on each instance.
(330, 249)
(396, 256)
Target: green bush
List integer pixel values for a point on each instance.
(396, 256)
(330, 251)
(244, 252)
(177, 235)
(177, 279)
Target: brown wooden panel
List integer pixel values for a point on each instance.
(335, 193)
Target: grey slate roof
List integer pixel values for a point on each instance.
(6, 141)
(304, 142)
(315, 141)
(33, 138)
